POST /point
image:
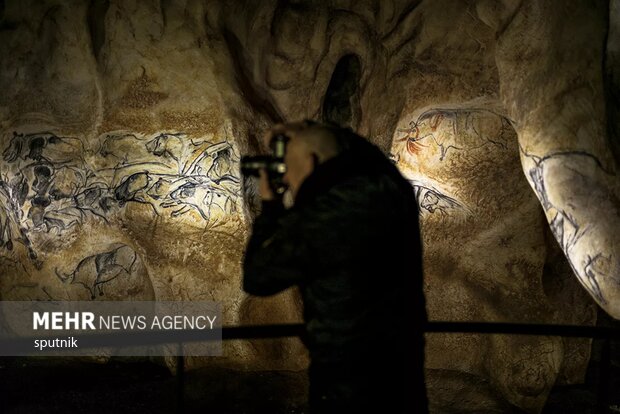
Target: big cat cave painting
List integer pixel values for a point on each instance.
(122, 125)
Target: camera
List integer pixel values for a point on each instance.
(272, 164)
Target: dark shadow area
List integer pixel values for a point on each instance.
(50, 385)
(97, 10)
(583, 398)
(255, 96)
(602, 377)
(341, 102)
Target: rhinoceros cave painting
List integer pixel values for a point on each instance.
(122, 125)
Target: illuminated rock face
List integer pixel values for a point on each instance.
(120, 176)
(123, 122)
(485, 247)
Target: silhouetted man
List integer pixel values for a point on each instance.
(351, 243)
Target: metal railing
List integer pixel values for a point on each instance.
(607, 334)
(571, 331)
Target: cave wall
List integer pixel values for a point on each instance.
(122, 124)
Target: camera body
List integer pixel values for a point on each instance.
(273, 164)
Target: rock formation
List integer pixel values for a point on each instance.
(122, 124)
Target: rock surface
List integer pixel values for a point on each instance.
(122, 124)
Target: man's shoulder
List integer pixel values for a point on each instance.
(377, 192)
(374, 183)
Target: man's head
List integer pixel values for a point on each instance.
(309, 145)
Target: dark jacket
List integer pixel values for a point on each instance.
(352, 245)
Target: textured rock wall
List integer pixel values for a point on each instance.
(123, 122)
(120, 162)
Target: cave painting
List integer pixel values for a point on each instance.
(186, 175)
(482, 232)
(454, 128)
(434, 144)
(115, 274)
(493, 110)
(431, 139)
(49, 186)
(593, 262)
